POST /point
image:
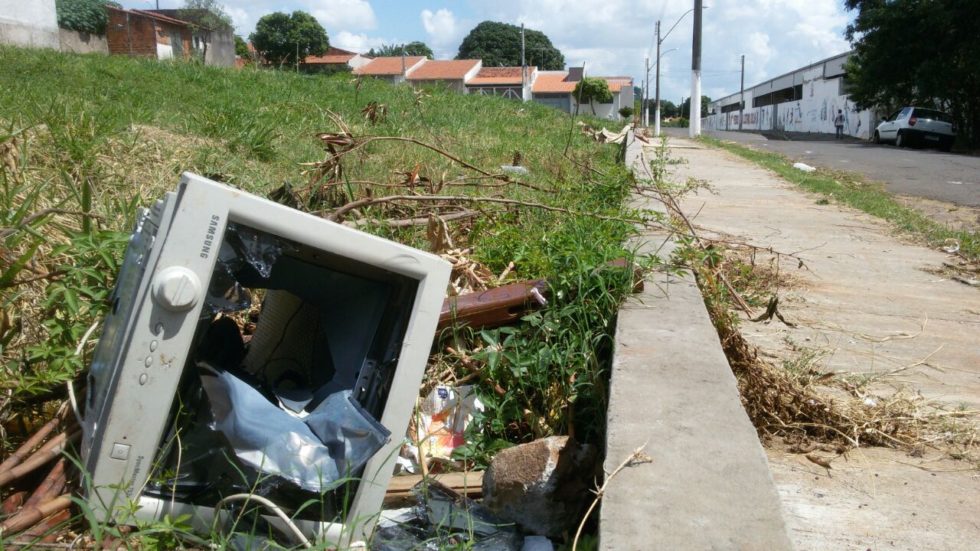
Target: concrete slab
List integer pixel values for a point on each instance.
(708, 486)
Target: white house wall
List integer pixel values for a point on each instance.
(814, 112)
(31, 23)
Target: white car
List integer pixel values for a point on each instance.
(917, 126)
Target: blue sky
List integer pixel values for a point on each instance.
(612, 37)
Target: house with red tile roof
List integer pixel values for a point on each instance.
(394, 69)
(557, 89)
(503, 81)
(142, 33)
(452, 73)
(335, 59)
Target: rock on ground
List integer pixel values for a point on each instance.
(542, 486)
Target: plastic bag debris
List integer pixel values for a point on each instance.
(514, 169)
(443, 518)
(804, 167)
(444, 416)
(951, 246)
(316, 453)
(537, 543)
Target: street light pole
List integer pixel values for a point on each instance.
(741, 94)
(660, 40)
(694, 126)
(646, 94)
(656, 111)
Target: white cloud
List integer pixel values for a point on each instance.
(444, 32)
(343, 14)
(614, 36)
(357, 42)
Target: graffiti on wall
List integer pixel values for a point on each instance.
(815, 112)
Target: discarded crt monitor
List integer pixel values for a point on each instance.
(184, 409)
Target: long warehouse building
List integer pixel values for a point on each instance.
(804, 100)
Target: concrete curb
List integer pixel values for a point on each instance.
(709, 485)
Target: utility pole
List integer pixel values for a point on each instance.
(523, 65)
(656, 111)
(646, 93)
(741, 95)
(694, 127)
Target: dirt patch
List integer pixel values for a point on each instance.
(953, 216)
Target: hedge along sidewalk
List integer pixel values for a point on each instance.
(708, 485)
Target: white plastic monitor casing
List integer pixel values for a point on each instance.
(122, 435)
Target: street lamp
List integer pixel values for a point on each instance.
(646, 89)
(660, 40)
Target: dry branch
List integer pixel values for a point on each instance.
(338, 214)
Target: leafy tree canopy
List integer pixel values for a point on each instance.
(279, 37)
(206, 13)
(591, 90)
(241, 47)
(392, 50)
(499, 45)
(917, 52)
(87, 16)
(686, 107)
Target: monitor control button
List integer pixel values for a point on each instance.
(119, 451)
(176, 288)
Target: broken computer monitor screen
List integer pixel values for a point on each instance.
(254, 349)
(287, 377)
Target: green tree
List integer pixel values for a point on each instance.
(393, 50)
(686, 107)
(592, 90)
(499, 45)
(205, 17)
(282, 38)
(917, 52)
(205, 13)
(241, 48)
(87, 16)
(626, 112)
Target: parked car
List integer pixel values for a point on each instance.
(917, 126)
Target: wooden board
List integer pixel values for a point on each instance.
(400, 488)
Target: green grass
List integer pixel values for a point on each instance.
(854, 191)
(86, 140)
(94, 137)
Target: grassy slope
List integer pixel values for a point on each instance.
(105, 134)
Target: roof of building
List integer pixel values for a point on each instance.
(562, 82)
(448, 69)
(388, 65)
(198, 16)
(159, 17)
(617, 83)
(499, 75)
(332, 56)
(553, 82)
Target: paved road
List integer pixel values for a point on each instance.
(918, 172)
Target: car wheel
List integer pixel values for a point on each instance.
(876, 138)
(900, 140)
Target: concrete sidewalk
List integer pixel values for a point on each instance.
(708, 486)
(871, 305)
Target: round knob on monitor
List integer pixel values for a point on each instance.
(176, 288)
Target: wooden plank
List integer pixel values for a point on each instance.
(399, 491)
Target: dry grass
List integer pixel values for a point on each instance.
(807, 407)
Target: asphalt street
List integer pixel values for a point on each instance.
(928, 173)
